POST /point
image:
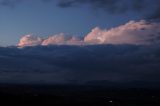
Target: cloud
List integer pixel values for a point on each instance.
(111, 6)
(29, 40)
(56, 39)
(9, 3)
(118, 6)
(60, 39)
(65, 63)
(156, 14)
(134, 32)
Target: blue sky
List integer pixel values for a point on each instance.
(46, 18)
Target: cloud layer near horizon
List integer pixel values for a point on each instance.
(134, 32)
(80, 64)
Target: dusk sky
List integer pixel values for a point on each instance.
(44, 18)
(78, 41)
(75, 52)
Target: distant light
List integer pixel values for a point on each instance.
(111, 101)
(35, 95)
(153, 96)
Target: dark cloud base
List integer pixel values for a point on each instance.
(119, 6)
(109, 6)
(95, 64)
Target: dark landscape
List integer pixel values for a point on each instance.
(68, 75)
(76, 95)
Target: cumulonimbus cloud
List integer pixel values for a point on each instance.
(134, 32)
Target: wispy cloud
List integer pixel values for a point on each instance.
(10, 3)
(109, 6)
(118, 6)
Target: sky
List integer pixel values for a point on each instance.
(44, 18)
(80, 42)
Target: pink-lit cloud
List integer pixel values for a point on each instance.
(58, 39)
(133, 32)
(62, 39)
(30, 40)
(139, 33)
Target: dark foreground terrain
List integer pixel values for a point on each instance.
(69, 95)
